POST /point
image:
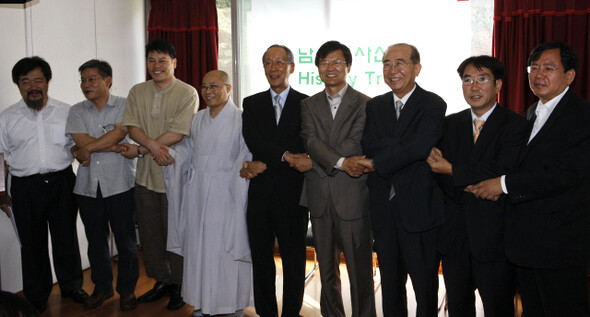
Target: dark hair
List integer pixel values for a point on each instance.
(569, 59)
(104, 69)
(330, 47)
(287, 50)
(27, 64)
(160, 46)
(486, 61)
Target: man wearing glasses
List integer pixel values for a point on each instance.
(332, 123)
(208, 202)
(478, 143)
(406, 203)
(271, 126)
(104, 184)
(158, 115)
(547, 218)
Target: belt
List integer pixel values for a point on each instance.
(42, 176)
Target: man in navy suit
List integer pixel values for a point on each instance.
(271, 125)
(547, 220)
(406, 203)
(478, 143)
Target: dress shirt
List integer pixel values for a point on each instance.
(35, 142)
(484, 118)
(542, 113)
(282, 96)
(114, 173)
(334, 103)
(405, 98)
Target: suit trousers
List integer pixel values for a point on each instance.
(36, 201)
(288, 222)
(118, 211)
(401, 253)
(554, 292)
(152, 217)
(495, 280)
(332, 236)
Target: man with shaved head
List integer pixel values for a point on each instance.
(207, 200)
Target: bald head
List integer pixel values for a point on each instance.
(215, 89)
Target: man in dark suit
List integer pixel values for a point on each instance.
(406, 203)
(478, 143)
(547, 221)
(271, 125)
(332, 124)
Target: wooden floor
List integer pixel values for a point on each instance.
(58, 306)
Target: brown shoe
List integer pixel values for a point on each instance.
(128, 302)
(97, 298)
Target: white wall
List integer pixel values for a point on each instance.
(66, 33)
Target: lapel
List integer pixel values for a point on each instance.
(545, 129)
(347, 105)
(322, 109)
(412, 107)
(288, 110)
(465, 134)
(488, 132)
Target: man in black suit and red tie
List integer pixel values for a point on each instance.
(406, 203)
(547, 218)
(478, 143)
(271, 125)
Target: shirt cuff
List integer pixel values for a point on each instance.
(339, 163)
(283, 157)
(503, 183)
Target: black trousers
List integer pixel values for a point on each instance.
(36, 201)
(401, 253)
(119, 211)
(288, 223)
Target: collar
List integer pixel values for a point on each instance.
(283, 96)
(405, 98)
(550, 105)
(485, 115)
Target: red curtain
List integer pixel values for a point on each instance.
(520, 25)
(191, 26)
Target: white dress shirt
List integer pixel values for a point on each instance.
(35, 142)
(542, 112)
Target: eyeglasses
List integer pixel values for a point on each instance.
(279, 64)
(479, 80)
(335, 63)
(28, 82)
(91, 80)
(545, 69)
(397, 65)
(212, 87)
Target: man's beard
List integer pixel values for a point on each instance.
(34, 104)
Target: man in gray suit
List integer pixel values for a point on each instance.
(332, 123)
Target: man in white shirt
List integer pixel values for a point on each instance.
(547, 220)
(37, 152)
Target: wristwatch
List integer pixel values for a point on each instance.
(139, 152)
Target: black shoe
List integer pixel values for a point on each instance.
(78, 295)
(40, 306)
(97, 298)
(128, 302)
(176, 301)
(159, 290)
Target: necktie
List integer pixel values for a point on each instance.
(278, 108)
(478, 125)
(398, 108)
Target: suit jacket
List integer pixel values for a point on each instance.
(547, 223)
(494, 154)
(399, 148)
(268, 142)
(326, 141)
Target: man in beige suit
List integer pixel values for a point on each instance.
(332, 123)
